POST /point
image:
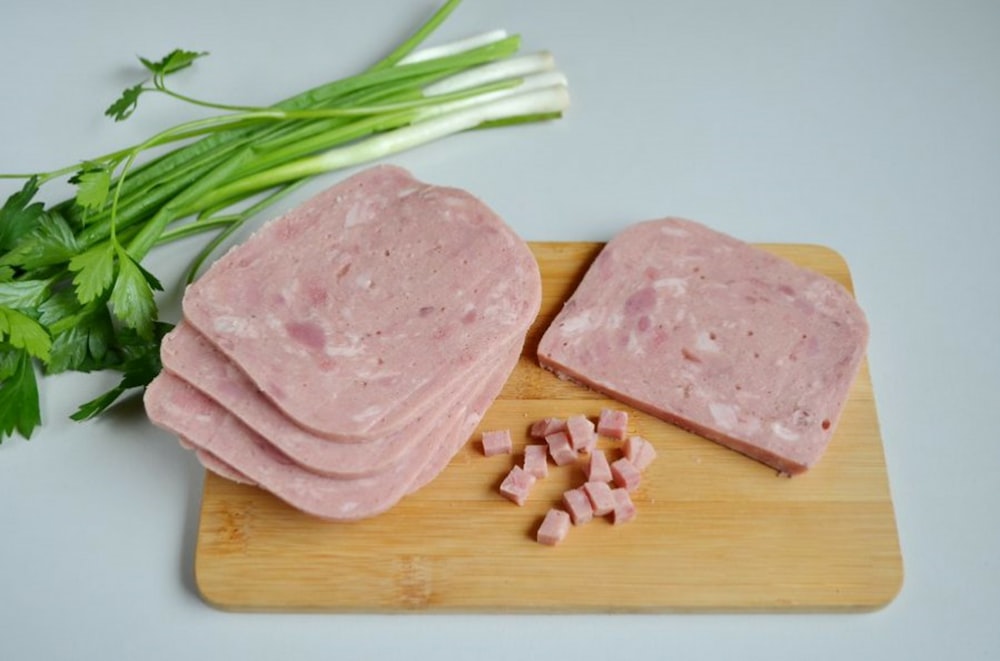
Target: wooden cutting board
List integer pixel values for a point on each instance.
(715, 531)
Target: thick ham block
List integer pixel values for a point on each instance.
(355, 310)
(712, 334)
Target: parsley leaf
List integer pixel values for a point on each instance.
(95, 269)
(23, 294)
(24, 333)
(132, 295)
(19, 408)
(51, 242)
(125, 104)
(93, 183)
(81, 336)
(175, 60)
(18, 216)
(141, 366)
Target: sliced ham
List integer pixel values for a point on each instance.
(357, 309)
(203, 424)
(714, 335)
(188, 355)
(342, 355)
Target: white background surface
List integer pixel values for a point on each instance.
(872, 127)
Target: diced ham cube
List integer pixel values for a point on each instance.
(598, 469)
(546, 426)
(613, 424)
(554, 527)
(639, 451)
(497, 442)
(600, 497)
(517, 485)
(625, 474)
(577, 503)
(560, 448)
(581, 432)
(624, 507)
(536, 460)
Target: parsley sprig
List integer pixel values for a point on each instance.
(74, 294)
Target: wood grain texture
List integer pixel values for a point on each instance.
(715, 531)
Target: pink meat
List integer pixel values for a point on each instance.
(546, 426)
(714, 335)
(188, 355)
(600, 497)
(625, 474)
(598, 469)
(203, 424)
(354, 310)
(536, 460)
(578, 505)
(581, 433)
(560, 448)
(613, 424)
(639, 451)
(517, 485)
(554, 527)
(497, 441)
(624, 510)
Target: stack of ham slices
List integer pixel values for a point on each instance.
(343, 354)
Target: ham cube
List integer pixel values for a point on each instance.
(581, 432)
(600, 497)
(625, 474)
(546, 426)
(613, 424)
(497, 442)
(639, 451)
(536, 460)
(598, 469)
(577, 503)
(554, 527)
(560, 448)
(516, 486)
(624, 510)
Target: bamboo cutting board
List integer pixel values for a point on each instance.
(715, 531)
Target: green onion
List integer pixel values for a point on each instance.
(73, 292)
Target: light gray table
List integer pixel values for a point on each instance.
(870, 127)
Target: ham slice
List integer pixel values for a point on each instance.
(357, 309)
(188, 355)
(342, 355)
(204, 425)
(717, 336)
